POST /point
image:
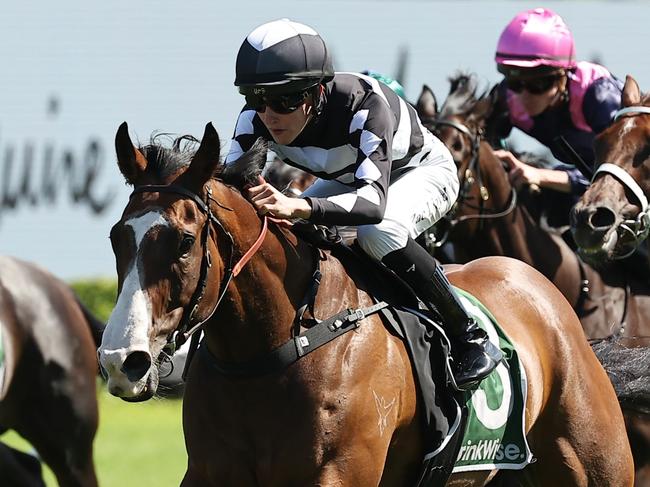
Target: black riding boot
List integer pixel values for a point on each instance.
(474, 356)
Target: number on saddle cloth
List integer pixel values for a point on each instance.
(494, 436)
(491, 432)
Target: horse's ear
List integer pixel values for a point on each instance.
(427, 105)
(631, 92)
(484, 106)
(206, 160)
(129, 159)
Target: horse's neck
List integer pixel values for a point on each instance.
(263, 297)
(515, 235)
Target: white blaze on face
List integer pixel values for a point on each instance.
(128, 325)
(627, 126)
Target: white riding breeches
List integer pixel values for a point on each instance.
(414, 203)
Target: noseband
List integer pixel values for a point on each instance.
(472, 175)
(639, 227)
(187, 327)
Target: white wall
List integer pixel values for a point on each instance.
(169, 66)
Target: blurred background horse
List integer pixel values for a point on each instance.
(47, 391)
(492, 218)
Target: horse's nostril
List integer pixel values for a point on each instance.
(602, 218)
(136, 365)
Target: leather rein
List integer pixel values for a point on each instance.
(320, 332)
(188, 326)
(472, 175)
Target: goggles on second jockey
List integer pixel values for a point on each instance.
(281, 104)
(534, 86)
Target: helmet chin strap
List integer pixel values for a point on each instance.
(314, 109)
(310, 117)
(562, 94)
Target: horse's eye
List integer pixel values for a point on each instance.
(457, 146)
(186, 244)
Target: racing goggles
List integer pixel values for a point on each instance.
(281, 104)
(534, 86)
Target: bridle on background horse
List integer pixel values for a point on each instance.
(473, 167)
(472, 175)
(639, 227)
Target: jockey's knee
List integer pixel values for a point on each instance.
(381, 239)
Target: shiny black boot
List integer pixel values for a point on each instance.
(474, 356)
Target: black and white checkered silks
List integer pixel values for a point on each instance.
(378, 167)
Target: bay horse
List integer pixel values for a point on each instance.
(48, 394)
(192, 252)
(490, 218)
(612, 218)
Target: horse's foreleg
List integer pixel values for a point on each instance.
(62, 433)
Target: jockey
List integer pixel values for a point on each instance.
(548, 95)
(378, 168)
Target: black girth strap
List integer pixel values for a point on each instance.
(297, 347)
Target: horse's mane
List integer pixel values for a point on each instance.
(245, 170)
(165, 160)
(167, 156)
(462, 95)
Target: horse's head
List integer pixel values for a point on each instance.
(169, 267)
(611, 218)
(461, 120)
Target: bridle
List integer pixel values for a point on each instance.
(300, 344)
(639, 227)
(188, 326)
(472, 176)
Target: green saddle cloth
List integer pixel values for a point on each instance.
(495, 433)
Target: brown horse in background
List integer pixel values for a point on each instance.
(489, 219)
(49, 394)
(312, 422)
(612, 218)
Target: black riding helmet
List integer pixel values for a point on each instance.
(282, 57)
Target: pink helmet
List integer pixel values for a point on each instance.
(537, 37)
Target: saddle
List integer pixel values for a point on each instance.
(461, 430)
(428, 347)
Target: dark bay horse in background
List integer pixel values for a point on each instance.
(489, 219)
(612, 218)
(310, 423)
(49, 395)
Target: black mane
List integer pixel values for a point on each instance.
(462, 95)
(164, 159)
(245, 170)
